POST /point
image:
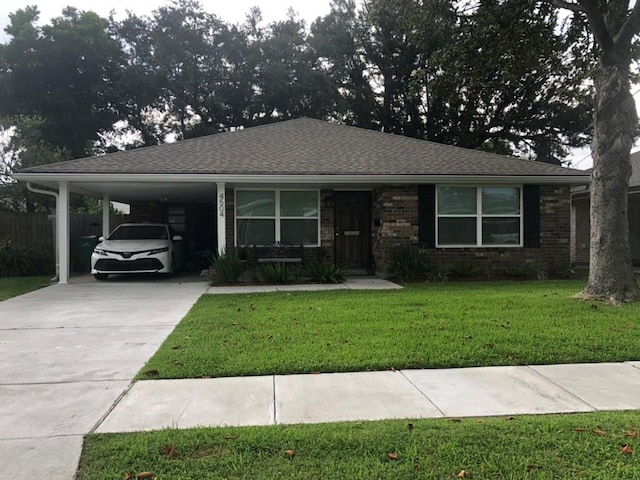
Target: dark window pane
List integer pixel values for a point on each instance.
(457, 201)
(256, 231)
(501, 200)
(255, 203)
(139, 232)
(457, 231)
(299, 204)
(501, 231)
(299, 232)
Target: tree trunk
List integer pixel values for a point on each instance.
(610, 268)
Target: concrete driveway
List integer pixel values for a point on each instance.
(67, 353)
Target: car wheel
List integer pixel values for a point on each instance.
(100, 276)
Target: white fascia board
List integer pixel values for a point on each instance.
(304, 179)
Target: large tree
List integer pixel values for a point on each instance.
(615, 26)
(61, 73)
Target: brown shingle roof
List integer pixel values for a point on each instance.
(305, 147)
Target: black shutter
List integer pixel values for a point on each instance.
(427, 216)
(531, 200)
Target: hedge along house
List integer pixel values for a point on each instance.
(354, 192)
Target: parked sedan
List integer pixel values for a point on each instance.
(138, 248)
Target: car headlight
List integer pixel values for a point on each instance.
(159, 250)
(99, 251)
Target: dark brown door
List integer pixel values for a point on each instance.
(353, 229)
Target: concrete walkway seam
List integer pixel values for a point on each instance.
(422, 393)
(112, 407)
(561, 388)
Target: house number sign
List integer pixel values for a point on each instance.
(221, 204)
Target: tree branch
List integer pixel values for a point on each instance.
(574, 7)
(630, 28)
(598, 25)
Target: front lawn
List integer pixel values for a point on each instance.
(423, 326)
(14, 286)
(597, 446)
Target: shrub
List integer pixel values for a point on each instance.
(24, 261)
(227, 267)
(407, 263)
(464, 270)
(277, 273)
(518, 272)
(321, 272)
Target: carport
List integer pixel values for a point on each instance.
(125, 188)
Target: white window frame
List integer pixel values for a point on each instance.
(479, 216)
(277, 217)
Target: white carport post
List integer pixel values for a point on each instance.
(222, 226)
(106, 210)
(62, 227)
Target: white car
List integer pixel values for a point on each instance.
(138, 248)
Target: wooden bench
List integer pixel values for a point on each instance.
(278, 253)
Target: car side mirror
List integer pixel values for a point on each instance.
(101, 238)
(176, 238)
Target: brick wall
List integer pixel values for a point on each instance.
(327, 221)
(395, 221)
(395, 213)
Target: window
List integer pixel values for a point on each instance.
(479, 216)
(286, 216)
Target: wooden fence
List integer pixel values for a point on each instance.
(37, 229)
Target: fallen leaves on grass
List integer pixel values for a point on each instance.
(144, 475)
(463, 474)
(599, 432)
(151, 373)
(410, 426)
(392, 456)
(290, 453)
(169, 451)
(626, 449)
(633, 434)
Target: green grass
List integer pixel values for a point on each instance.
(423, 326)
(14, 286)
(584, 446)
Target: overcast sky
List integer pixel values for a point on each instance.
(233, 11)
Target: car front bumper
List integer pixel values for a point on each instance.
(138, 263)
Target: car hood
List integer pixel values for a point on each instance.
(133, 245)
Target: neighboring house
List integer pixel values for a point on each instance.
(352, 191)
(581, 224)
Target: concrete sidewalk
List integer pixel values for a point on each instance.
(290, 399)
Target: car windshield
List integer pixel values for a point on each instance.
(139, 232)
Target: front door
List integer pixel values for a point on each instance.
(353, 230)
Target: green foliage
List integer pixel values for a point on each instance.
(24, 261)
(321, 272)
(14, 286)
(227, 267)
(464, 270)
(407, 263)
(70, 66)
(427, 325)
(526, 447)
(276, 273)
(518, 272)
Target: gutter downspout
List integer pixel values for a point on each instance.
(33, 189)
